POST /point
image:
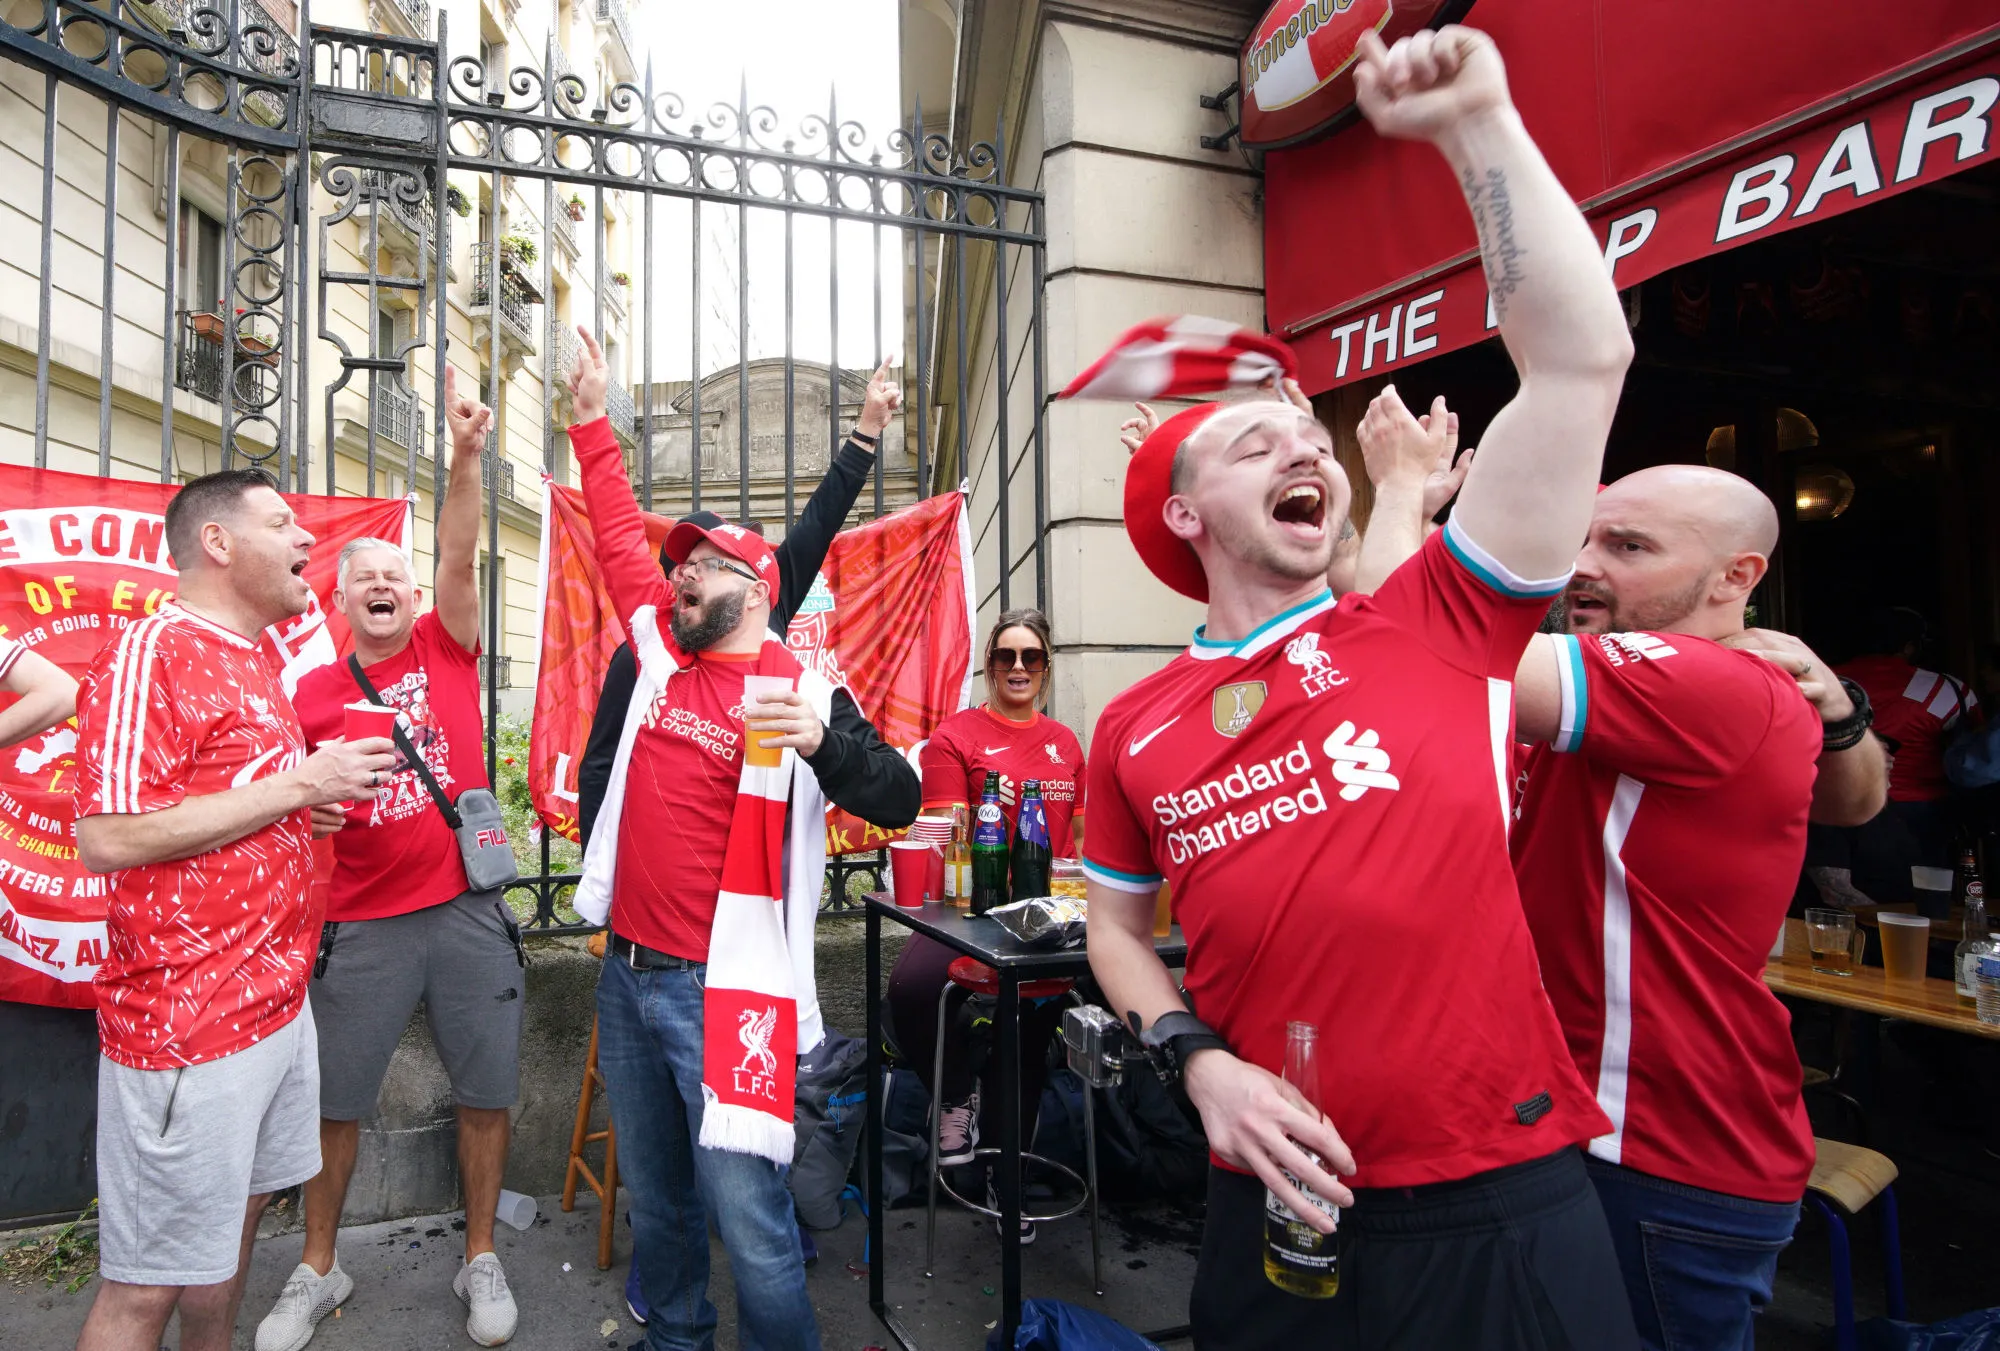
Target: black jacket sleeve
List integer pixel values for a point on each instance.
(805, 544)
(593, 772)
(863, 774)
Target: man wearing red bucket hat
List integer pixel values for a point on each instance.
(1324, 785)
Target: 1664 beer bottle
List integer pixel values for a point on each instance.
(1032, 854)
(989, 850)
(1298, 1258)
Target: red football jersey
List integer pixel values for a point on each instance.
(1659, 841)
(10, 653)
(1329, 799)
(1919, 710)
(209, 954)
(680, 793)
(396, 854)
(973, 741)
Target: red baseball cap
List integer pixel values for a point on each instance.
(744, 546)
(1148, 485)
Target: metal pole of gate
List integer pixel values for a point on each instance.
(107, 311)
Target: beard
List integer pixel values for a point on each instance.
(1653, 615)
(715, 620)
(1557, 619)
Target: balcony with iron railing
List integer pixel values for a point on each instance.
(624, 416)
(398, 414)
(415, 13)
(498, 670)
(405, 226)
(562, 230)
(614, 18)
(517, 297)
(198, 357)
(562, 350)
(491, 465)
(178, 16)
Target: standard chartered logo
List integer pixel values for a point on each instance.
(1262, 795)
(1359, 762)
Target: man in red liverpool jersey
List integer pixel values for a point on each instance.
(1325, 786)
(196, 794)
(402, 926)
(1662, 819)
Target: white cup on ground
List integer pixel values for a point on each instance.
(515, 1209)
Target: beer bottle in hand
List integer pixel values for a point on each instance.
(1298, 1258)
(989, 850)
(1031, 844)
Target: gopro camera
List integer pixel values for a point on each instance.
(1097, 1045)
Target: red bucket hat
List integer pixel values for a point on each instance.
(1148, 485)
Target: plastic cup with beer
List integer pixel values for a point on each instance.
(1906, 944)
(910, 872)
(754, 751)
(1833, 941)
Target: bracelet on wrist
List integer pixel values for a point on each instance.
(864, 438)
(1848, 732)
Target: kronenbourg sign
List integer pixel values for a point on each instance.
(1297, 68)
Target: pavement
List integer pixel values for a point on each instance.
(403, 1269)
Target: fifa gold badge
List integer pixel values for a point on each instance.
(1235, 705)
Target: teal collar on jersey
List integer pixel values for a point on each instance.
(1270, 631)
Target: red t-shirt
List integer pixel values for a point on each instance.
(1328, 798)
(396, 854)
(209, 954)
(10, 653)
(680, 793)
(975, 740)
(1660, 838)
(1920, 711)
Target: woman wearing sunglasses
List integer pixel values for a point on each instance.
(1008, 735)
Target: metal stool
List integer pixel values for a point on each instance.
(1845, 1179)
(607, 1189)
(976, 977)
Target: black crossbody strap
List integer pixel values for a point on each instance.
(404, 744)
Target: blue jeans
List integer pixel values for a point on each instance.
(649, 1051)
(1697, 1264)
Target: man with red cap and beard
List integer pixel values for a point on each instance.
(1369, 736)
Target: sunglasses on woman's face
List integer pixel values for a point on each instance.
(1033, 660)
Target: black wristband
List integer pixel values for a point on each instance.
(1173, 1038)
(864, 438)
(1848, 732)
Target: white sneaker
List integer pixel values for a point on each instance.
(306, 1298)
(482, 1284)
(958, 1132)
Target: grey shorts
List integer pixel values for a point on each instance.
(172, 1184)
(460, 962)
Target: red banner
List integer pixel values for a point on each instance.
(890, 616)
(80, 559)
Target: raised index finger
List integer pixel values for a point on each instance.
(881, 372)
(590, 343)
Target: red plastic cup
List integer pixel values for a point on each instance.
(366, 720)
(934, 877)
(910, 873)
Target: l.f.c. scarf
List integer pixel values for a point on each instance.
(751, 1010)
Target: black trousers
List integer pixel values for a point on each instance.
(1517, 1259)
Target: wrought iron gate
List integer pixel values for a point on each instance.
(345, 160)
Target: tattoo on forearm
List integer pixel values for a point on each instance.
(1493, 216)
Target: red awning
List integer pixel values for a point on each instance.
(1677, 144)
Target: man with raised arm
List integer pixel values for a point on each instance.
(403, 927)
(1661, 822)
(708, 863)
(1325, 786)
(195, 792)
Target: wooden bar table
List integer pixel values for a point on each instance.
(1930, 1001)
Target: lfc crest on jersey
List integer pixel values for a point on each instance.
(1235, 705)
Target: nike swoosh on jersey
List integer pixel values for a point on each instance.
(244, 774)
(1146, 740)
(994, 750)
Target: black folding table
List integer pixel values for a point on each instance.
(987, 941)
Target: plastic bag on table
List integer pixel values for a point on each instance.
(1043, 921)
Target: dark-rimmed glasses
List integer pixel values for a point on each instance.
(1033, 660)
(710, 565)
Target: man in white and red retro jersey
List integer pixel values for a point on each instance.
(196, 794)
(1324, 785)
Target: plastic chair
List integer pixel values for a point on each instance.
(1845, 1179)
(976, 977)
(606, 1188)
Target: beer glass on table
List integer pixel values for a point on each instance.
(1906, 945)
(1833, 941)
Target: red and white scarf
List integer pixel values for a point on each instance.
(1179, 357)
(759, 1010)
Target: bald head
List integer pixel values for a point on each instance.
(1674, 548)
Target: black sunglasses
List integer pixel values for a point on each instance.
(1033, 660)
